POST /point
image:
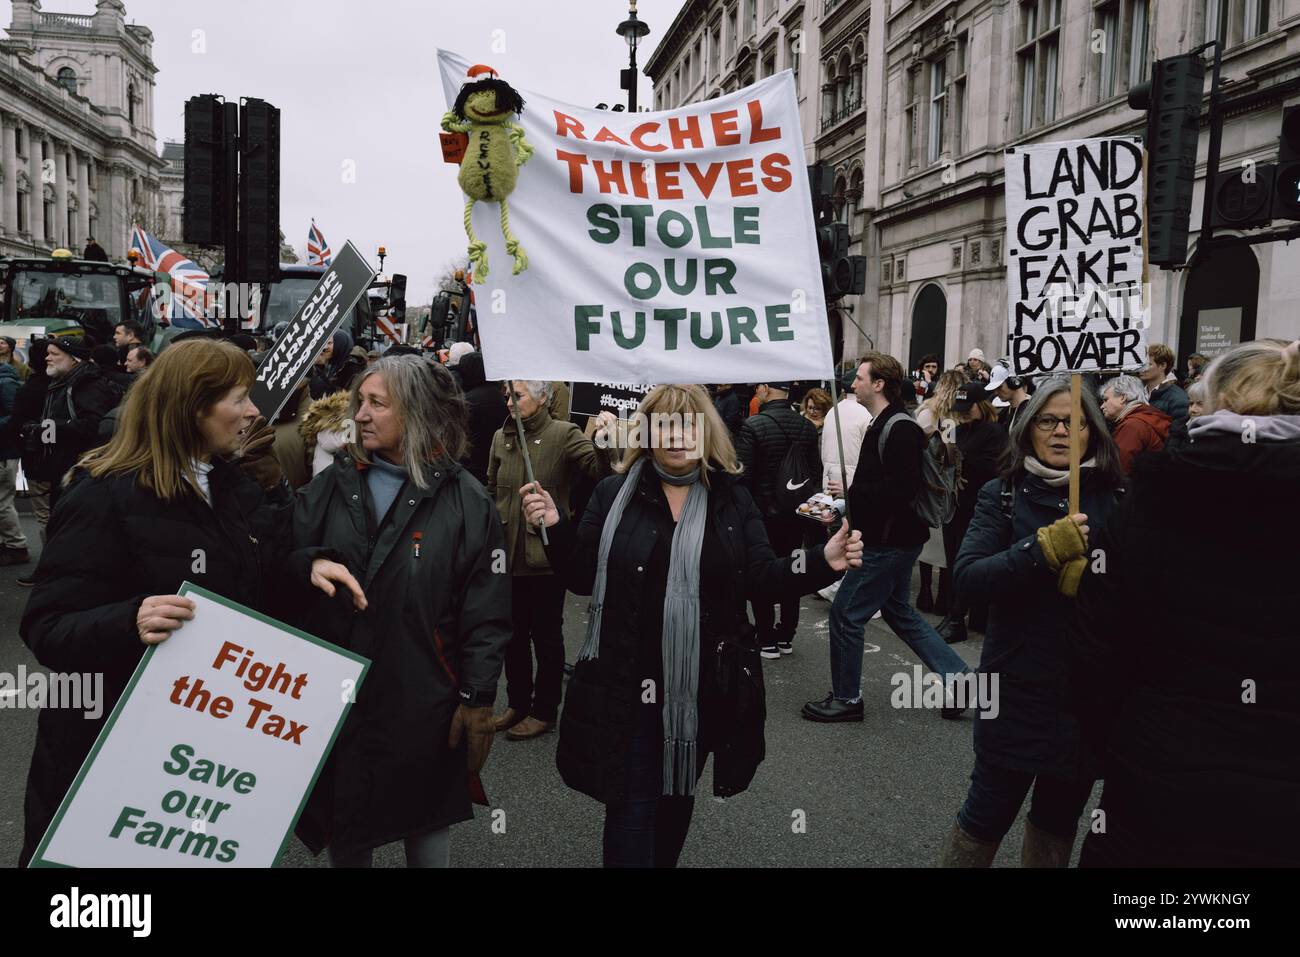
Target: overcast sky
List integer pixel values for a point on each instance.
(359, 81)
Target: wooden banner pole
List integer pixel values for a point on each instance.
(839, 442)
(523, 447)
(1076, 450)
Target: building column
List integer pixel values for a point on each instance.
(83, 196)
(60, 152)
(115, 215)
(36, 199)
(9, 189)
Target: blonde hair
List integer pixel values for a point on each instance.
(158, 436)
(715, 440)
(1255, 378)
(945, 394)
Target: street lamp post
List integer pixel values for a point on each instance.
(631, 30)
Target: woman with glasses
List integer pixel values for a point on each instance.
(1024, 556)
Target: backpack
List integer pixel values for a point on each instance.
(794, 481)
(936, 500)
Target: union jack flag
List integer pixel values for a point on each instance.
(188, 282)
(318, 251)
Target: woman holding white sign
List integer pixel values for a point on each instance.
(158, 505)
(1024, 556)
(670, 550)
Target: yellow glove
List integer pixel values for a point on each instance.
(1067, 582)
(1061, 542)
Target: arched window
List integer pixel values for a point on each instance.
(842, 83)
(130, 103)
(828, 90)
(859, 71)
(841, 208)
(854, 197)
(68, 79)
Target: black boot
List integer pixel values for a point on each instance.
(943, 604)
(925, 600)
(953, 628)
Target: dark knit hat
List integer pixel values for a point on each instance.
(75, 346)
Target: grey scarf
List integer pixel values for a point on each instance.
(681, 634)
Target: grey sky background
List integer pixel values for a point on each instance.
(359, 81)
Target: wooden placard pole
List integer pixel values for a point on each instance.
(523, 447)
(1076, 450)
(839, 442)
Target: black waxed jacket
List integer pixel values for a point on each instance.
(597, 722)
(435, 630)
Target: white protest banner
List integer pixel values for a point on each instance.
(1075, 222)
(673, 246)
(211, 752)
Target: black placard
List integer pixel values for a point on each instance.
(287, 363)
(593, 398)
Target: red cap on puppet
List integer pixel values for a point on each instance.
(479, 69)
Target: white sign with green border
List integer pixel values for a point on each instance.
(213, 749)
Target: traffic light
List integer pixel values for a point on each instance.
(1243, 198)
(203, 219)
(259, 191)
(397, 298)
(1172, 100)
(1286, 188)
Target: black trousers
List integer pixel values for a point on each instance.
(784, 535)
(537, 607)
(648, 829)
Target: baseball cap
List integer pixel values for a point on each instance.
(783, 386)
(968, 395)
(1000, 375)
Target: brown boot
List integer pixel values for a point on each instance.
(506, 719)
(1041, 849)
(962, 850)
(530, 727)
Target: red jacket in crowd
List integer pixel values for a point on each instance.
(1144, 429)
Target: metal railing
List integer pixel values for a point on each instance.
(836, 117)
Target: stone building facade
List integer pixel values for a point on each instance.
(77, 149)
(966, 79)
(914, 102)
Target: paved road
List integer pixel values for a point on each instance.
(879, 794)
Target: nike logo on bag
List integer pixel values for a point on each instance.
(790, 486)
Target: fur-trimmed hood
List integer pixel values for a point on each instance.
(326, 414)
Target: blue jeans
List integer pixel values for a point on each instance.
(996, 795)
(883, 584)
(430, 849)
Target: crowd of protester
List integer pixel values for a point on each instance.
(695, 561)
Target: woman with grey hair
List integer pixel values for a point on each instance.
(1136, 425)
(1025, 556)
(560, 454)
(422, 537)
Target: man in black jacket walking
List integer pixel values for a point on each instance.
(761, 446)
(880, 505)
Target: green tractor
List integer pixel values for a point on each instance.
(62, 296)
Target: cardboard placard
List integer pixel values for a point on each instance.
(211, 753)
(330, 304)
(1075, 223)
(593, 398)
